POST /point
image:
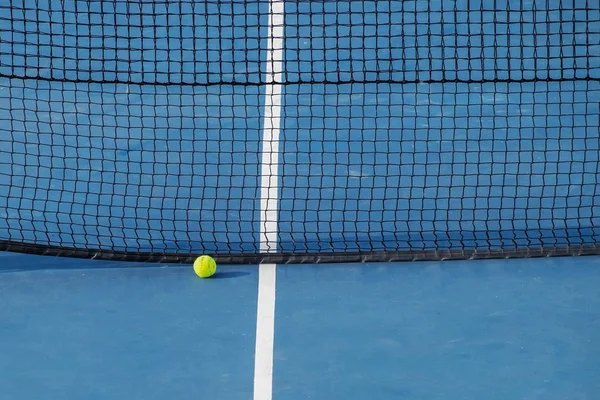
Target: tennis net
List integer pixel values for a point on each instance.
(305, 131)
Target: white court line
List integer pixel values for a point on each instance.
(265, 333)
(269, 192)
(269, 200)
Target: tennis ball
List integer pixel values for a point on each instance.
(205, 266)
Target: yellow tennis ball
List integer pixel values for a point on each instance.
(205, 266)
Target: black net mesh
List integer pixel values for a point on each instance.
(406, 130)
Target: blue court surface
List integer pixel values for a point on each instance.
(481, 330)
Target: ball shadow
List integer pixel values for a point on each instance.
(229, 275)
